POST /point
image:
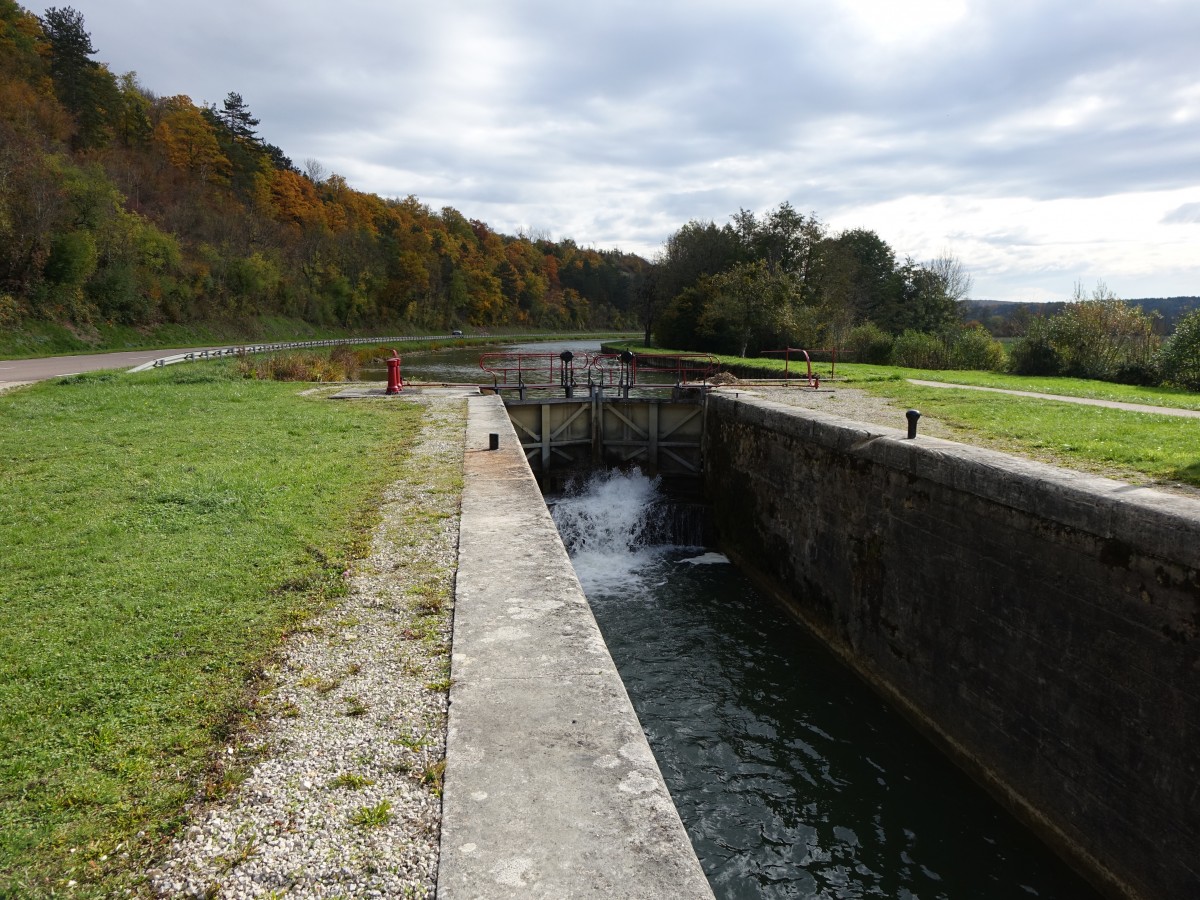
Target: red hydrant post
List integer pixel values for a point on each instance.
(395, 382)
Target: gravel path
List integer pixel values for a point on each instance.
(344, 796)
(849, 403)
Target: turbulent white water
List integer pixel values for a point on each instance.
(608, 523)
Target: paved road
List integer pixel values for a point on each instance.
(1086, 401)
(24, 371)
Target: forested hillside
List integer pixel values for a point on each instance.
(121, 206)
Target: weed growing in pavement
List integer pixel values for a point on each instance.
(411, 742)
(321, 685)
(373, 816)
(352, 781)
(288, 710)
(433, 775)
(355, 707)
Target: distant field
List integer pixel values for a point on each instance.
(160, 533)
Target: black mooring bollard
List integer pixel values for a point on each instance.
(493, 442)
(912, 415)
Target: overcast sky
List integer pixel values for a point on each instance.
(1041, 141)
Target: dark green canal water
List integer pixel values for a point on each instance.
(792, 778)
(460, 365)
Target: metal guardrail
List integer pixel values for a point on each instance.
(523, 372)
(242, 349)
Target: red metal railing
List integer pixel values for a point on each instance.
(530, 369)
(812, 378)
(519, 371)
(687, 368)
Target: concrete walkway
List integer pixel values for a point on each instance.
(1085, 401)
(551, 789)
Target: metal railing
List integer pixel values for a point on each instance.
(813, 379)
(522, 372)
(242, 349)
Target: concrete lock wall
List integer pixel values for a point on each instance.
(1040, 625)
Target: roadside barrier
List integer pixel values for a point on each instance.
(243, 349)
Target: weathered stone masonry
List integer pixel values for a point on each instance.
(1042, 626)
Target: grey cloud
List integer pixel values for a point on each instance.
(1188, 214)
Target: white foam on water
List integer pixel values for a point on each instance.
(603, 521)
(707, 559)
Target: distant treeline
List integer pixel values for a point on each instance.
(782, 279)
(760, 284)
(1005, 318)
(121, 206)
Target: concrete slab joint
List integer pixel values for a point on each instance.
(551, 789)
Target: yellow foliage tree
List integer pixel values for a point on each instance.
(293, 199)
(189, 142)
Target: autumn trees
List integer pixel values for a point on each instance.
(117, 205)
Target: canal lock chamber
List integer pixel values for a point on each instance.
(791, 776)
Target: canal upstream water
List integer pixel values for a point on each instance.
(792, 778)
(460, 365)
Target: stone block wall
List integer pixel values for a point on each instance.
(1041, 626)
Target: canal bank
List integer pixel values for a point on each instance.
(551, 789)
(1040, 625)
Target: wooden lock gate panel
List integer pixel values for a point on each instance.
(662, 436)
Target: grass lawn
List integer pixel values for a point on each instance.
(159, 534)
(1122, 444)
(1176, 398)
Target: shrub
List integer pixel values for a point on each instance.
(341, 364)
(1179, 359)
(918, 350)
(10, 312)
(975, 348)
(1103, 337)
(1034, 354)
(1099, 337)
(870, 344)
